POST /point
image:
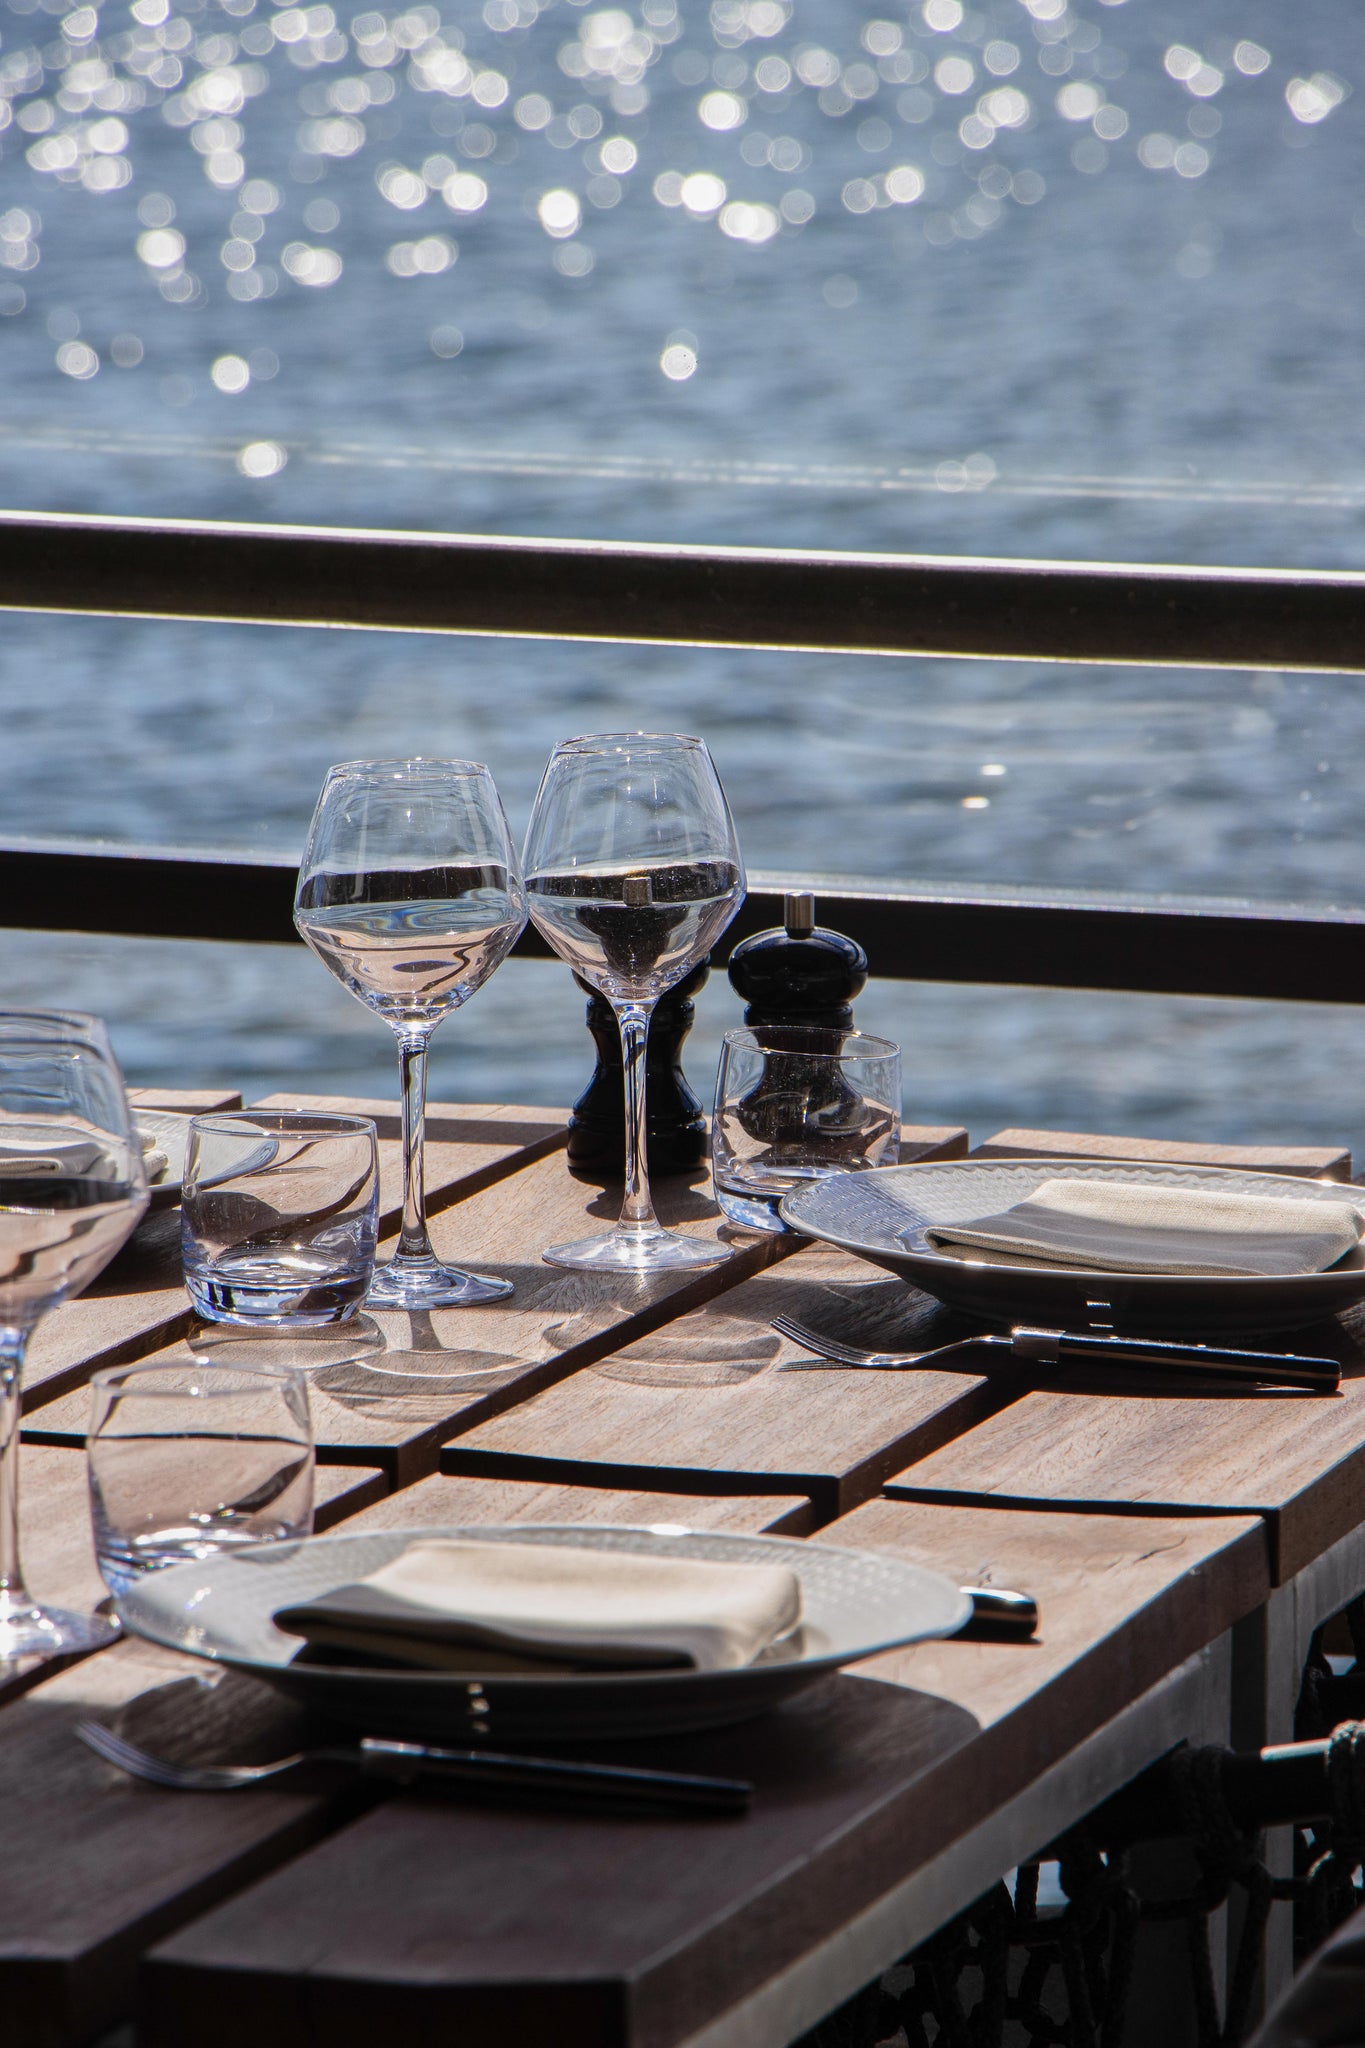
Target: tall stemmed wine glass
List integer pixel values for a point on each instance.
(72, 1187)
(409, 892)
(633, 872)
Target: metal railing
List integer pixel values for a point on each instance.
(855, 603)
(736, 597)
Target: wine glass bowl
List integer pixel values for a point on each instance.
(72, 1188)
(410, 894)
(633, 872)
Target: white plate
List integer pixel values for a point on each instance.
(172, 1134)
(868, 1212)
(854, 1603)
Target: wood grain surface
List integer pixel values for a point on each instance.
(717, 1398)
(97, 1865)
(438, 1502)
(186, 1101)
(1309, 1162)
(380, 1930)
(1296, 1459)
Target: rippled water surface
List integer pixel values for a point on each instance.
(1031, 280)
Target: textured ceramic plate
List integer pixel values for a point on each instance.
(854, 1604)
(172, 1135)
(868, 1212)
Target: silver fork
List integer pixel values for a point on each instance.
(158, 1770)
(1052, 1347)
(853, 1354)
(402, 1762)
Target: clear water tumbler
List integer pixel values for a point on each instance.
(796, 1103)
(186, 1459)
(279, 1216)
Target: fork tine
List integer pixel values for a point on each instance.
(114, 1750)
(158, 1770)
(826, 1347)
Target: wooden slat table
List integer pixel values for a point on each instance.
(888, 1797)
(659, 1412)
(592, 1933)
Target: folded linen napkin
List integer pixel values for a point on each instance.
(32, 1150)
(154, 1160)
(456, 1604)
(1126, 1227)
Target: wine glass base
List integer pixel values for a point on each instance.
(423, 1284)
(644, 1251)
(27, 1630)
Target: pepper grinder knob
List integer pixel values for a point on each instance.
(799, 972)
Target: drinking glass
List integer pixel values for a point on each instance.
(278, 1216)
(796, 1103)
(409, 893)
(186, 1459)
(633, 872)
(72, 1187)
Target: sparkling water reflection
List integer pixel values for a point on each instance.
(1033, 279)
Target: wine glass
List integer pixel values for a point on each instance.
(72, 1187)
(409, 893)
(633, 872)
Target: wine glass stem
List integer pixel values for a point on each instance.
(413, 1242)
(13, 1593)
(637, 1210)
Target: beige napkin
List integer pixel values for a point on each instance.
(48, 1153)
(460, 1605)
(1126, 1227)
(154, 1160)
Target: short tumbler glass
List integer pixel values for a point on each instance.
(796, 1103)
(188, 1459)
(279, 1216)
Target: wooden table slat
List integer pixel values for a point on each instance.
(1296, 1459)
(1310, 1162)
(719, 1396)
(439, 1502)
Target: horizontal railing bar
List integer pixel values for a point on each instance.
(737, 597)
(1040, 942)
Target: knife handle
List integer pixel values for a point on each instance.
(1051, 1347)
(998, 1616)
(598, 1784)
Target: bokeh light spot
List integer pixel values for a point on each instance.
(231, 374)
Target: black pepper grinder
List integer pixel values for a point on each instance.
(798, 982)
(799, 973)
(676, 1122)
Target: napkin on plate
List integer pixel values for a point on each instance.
(455, 1604)
(47, 1153)
(154, 1160)
(1128, 1227)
